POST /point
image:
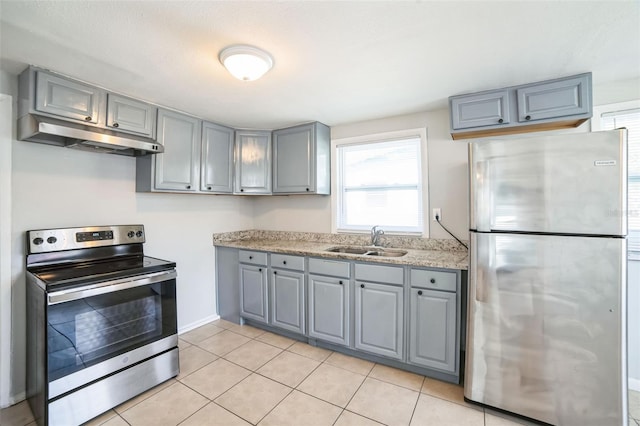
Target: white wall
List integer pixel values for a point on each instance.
(57, 187)
(448, 185)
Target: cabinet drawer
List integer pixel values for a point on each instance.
(255, 257)
(287, 261)
(379, 273)
(334, 268)
(436, 280)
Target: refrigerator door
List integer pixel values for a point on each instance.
(547, 331)
(567, 184)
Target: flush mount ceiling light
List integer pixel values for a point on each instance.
(246, 62)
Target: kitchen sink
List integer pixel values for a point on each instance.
(367, 251)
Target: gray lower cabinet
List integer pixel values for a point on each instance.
(287, 300)
(301, 159)
(253, 162)
(329, 309)
(379, 319)
(432, 340)
(254, 298)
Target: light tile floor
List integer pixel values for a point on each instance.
(233, 375)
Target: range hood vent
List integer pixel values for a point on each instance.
(47, 130)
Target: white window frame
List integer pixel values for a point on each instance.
(596, 126)
(420, 133)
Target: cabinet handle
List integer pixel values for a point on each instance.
(242, 190)
(275, 272)
(307, 189)
(284, 262)
(87, 118)
(208, 188)
(419, 292)
(259, 269)
(340, 282)
(188, 186)
(433, 280)
(116, 125)
(250, 257)
(528, 117)
(501, 121)
(361, 285)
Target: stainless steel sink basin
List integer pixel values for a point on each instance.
(387, 253)
(367, 251)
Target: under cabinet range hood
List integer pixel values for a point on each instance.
(47, 130)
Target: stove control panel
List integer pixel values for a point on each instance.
(50, 240)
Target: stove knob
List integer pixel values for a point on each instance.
(37, 241)
(52, 240)
(131, 234)
(139, 234)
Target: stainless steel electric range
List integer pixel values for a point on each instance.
(101, 321)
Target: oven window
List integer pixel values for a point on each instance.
(84, 332)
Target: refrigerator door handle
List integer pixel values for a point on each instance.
(480, 205)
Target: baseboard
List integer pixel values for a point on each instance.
(14, 399)
(634, 384)
(197, 324)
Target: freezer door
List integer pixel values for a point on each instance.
(568, 184)
(547, 331)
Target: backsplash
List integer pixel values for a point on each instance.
(395, 241)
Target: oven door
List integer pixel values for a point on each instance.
(98, 329)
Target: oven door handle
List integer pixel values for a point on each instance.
(109, 287)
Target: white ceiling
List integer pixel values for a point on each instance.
(336, 62)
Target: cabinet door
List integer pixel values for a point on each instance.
(216, 166)
(555, 99)
(253, 292)
(67, 98)
(130, 115)
(287, 300)
(253, 162)
(329, 309)
(477, 110)
(432, 341)
(294, 160)
(379, 319)
(177, 168)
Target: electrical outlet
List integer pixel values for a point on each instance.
(438, 213)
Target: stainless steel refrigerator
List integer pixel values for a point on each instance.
(548, 277)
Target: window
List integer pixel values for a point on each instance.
(629, 118)
(379, 181)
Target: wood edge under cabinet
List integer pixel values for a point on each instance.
(556, 125)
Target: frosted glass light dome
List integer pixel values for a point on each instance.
(246, 62)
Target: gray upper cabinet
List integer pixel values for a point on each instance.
(177, 168)
(67, 98)
(253, 162)
(130, 115)
(485, 109)
(553, 104)
(560, 98)
(216, 170)
(301, 159)
(432, 340)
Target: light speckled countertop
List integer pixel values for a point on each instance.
(420, 251)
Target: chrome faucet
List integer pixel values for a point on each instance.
(375, 235)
